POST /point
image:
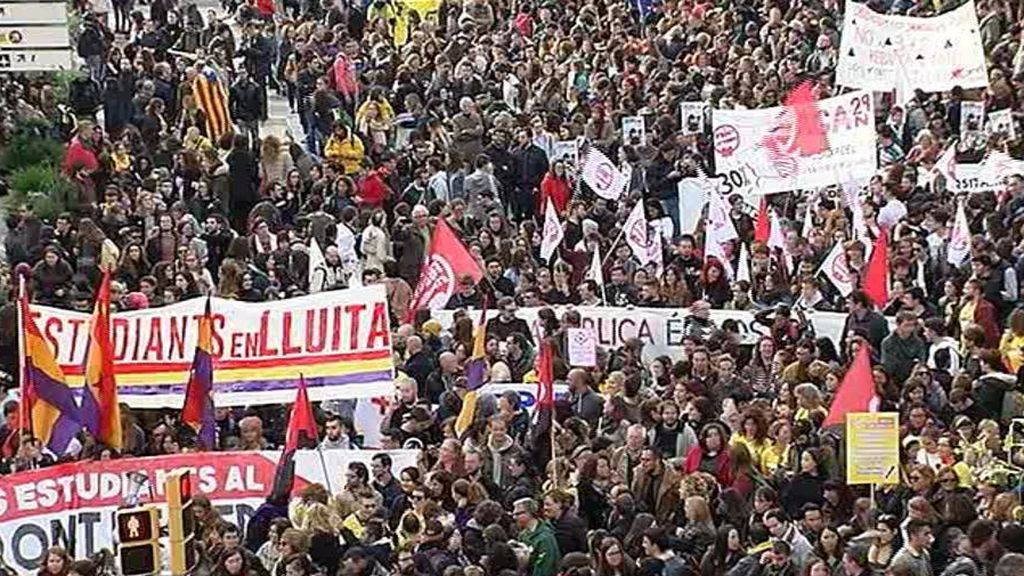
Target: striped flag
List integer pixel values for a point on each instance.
(54, 416)
(198, 411)
(212, 99)
(101, 414)
(476, 374)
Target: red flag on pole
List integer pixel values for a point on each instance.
(856, 393)
(763, 225)
(447, 261)
(301, 421)
(545, 375)
(876, 273)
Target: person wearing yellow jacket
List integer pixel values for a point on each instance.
(1011, 345)
(346, 149)
(385, 112)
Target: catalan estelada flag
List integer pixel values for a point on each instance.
(101, 414)
(198, 411)
(212, 99)
(55, 417)
(476, 375)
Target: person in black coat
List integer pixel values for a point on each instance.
(570, 529)
(243, 182)
(118, 108)
(247, 105)
(531, 164)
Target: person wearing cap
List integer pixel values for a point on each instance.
(538, 535)
(357, 561)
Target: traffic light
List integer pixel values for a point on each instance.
(138, 534)
(181, 522)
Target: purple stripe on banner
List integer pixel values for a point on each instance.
(263, 385)
(64, 429)
(49, 390)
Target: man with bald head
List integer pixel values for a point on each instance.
(443, 377)
(419, 363)
(586, 403)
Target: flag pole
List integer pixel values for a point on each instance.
(554, 458)
(24, 410)
(320, 451)
(611, 249)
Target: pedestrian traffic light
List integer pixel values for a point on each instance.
(138, 534)
(181, 522)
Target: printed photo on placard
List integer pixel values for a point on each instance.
(567, 151)
(1001, 122)
(634, 130)
(691, 117)
(972, 117)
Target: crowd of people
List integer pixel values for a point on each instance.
(714, 462)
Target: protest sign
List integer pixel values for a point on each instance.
(972, 117)
(603, 177)
(634, 130)
(884, 52)
(339, 340)
(692, 195)
(582, 347)
(73, 505)
(691, 115)
(567, 151)
(756, 151)
(872, 448)
(659, 329)
(1001, 122)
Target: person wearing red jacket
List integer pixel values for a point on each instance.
(555, 186)
(373, 188)
(711, 454)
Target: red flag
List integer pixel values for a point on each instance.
(857, 391)
(101, 413)
(876, 273)
(811, 137)
(301, 421)
(545, 375)
(763, 225)
(447, 261)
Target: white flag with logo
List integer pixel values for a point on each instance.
(719, 229)
(805, 232)
(946, 165)
(552, 234)
(595, 272)
(636, 235)
(656, 252)
(602, 176)
(317, 267)
(743, 268)
(837, 271)
(959, 238)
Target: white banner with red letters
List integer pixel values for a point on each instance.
(340, 341)
(757, 151)
(73, 505)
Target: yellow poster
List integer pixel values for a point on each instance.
(872, 448)
(426, 10)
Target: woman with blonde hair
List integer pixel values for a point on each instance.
(321, 524)
(275, 161)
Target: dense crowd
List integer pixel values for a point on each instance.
(714, 463)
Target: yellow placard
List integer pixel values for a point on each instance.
(872, 448)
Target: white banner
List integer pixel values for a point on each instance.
(882, 52)
(33, 13)
(760, 146)
(975, 179)
(42, 59)
(339, 340)
(660, 329)
(35, 36)
(527, 392)
(74, 505)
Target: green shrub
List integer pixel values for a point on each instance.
(31, 145)
(42, 187)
